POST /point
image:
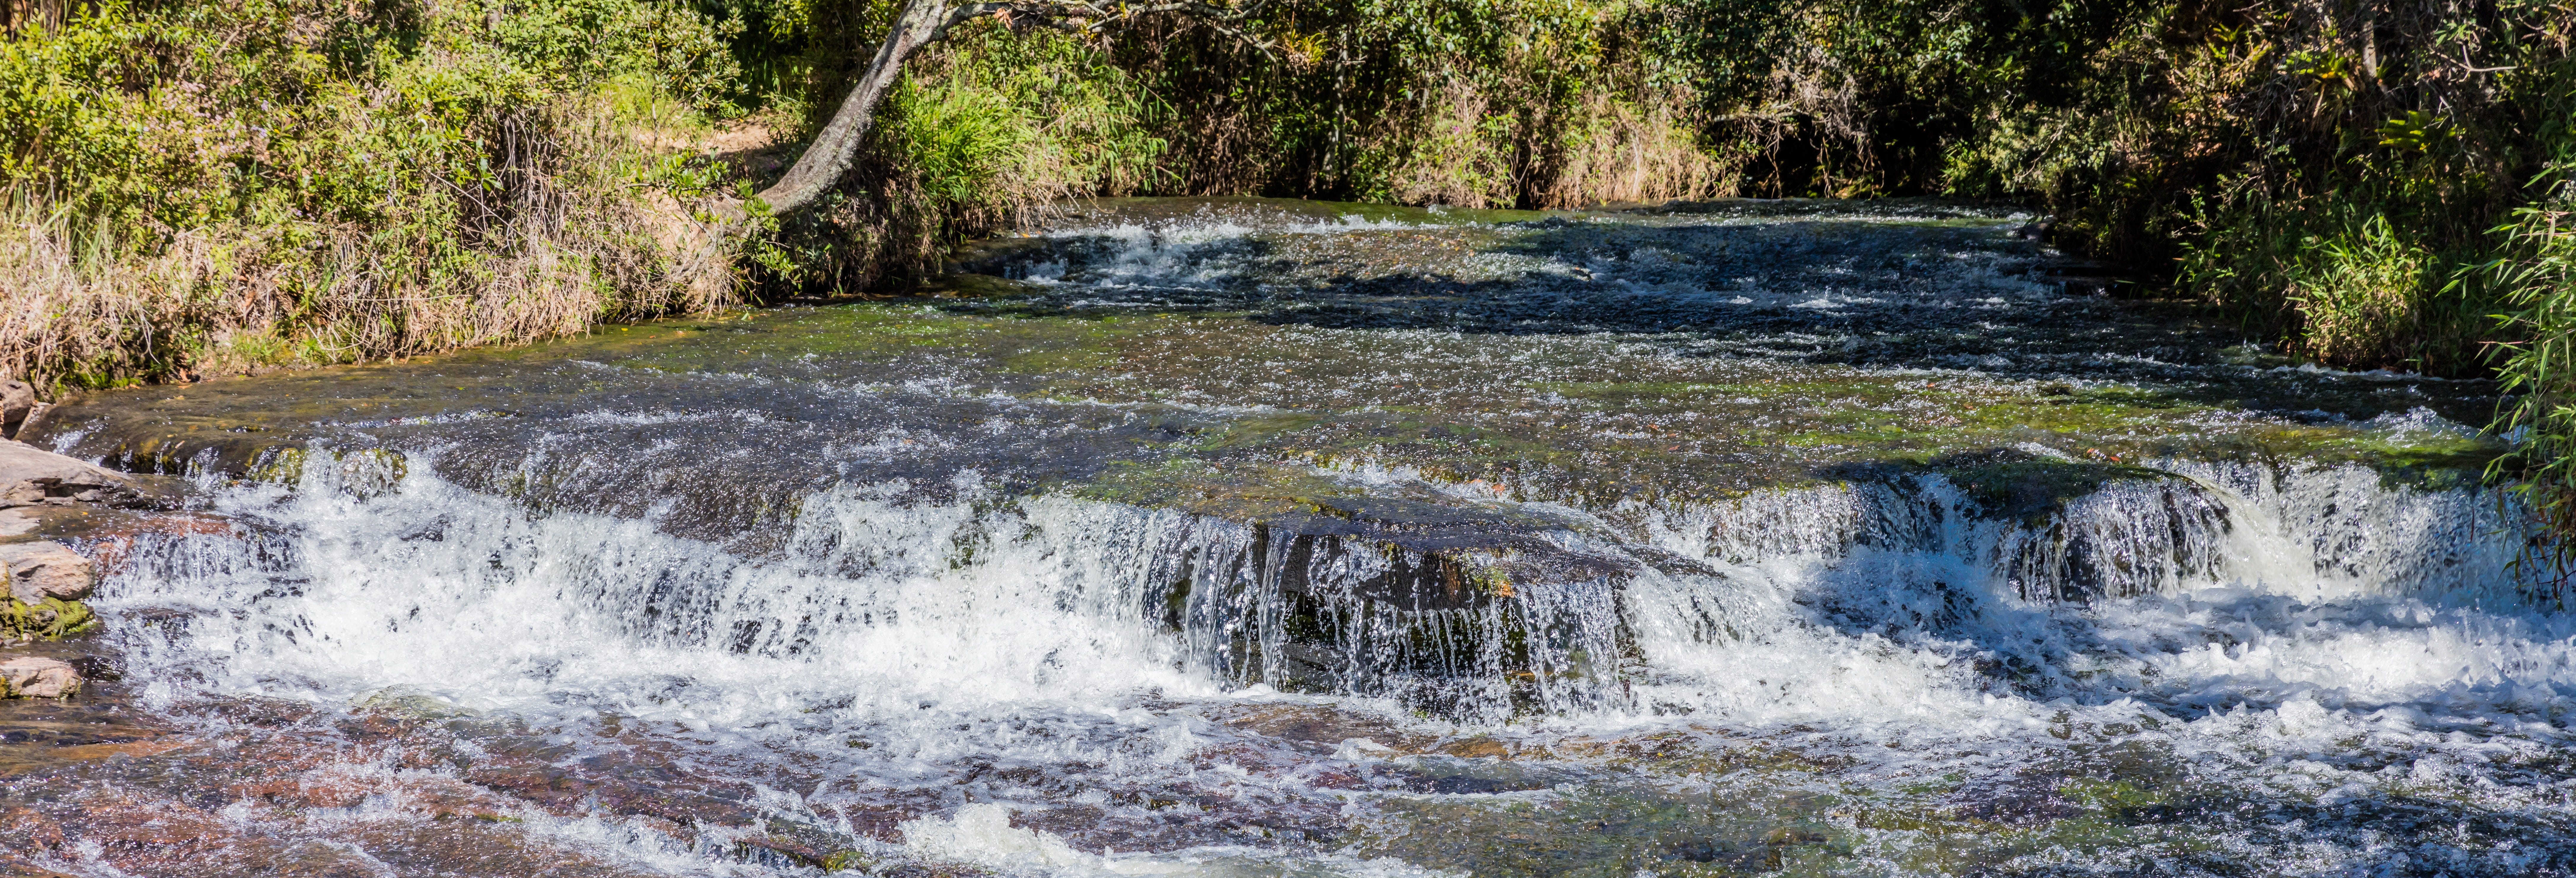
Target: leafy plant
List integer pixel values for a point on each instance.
(2537, 274)
(2357, 294)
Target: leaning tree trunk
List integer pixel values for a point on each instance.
(923, 22)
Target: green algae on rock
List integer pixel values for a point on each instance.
(48, 619)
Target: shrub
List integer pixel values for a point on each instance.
(2537, 274)
(218, 187)
(2357, 294)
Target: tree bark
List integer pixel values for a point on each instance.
(923, 22)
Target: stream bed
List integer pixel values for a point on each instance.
(1245, 537)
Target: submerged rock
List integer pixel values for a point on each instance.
(408, 704)
(32, 677)
(40, 570)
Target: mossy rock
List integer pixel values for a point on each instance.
(277, 464)
(407, 703)
(50, 619)
(363, 473)
(2004, 483)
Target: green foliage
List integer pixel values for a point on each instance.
(2537, 274)
(960, 140)
(2324, 172)
(2358, 293)
(1475, 103)
(273, 109)
(220, 186)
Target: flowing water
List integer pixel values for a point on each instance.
(1255, 538)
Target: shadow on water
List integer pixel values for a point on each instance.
(1869, 294)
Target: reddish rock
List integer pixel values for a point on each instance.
(28, 827)
(33, 677)
(126, 824)
(41, 570)
(109, 538)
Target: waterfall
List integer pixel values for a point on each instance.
(349, 581)
(1239, 538)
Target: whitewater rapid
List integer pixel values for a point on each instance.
(1245, 538)
(1039, 631)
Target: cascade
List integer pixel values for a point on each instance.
(1234, 536)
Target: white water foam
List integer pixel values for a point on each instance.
(2325, 605)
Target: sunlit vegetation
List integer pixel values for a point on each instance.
(196, 189)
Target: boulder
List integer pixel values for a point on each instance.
(33, 677)
(36, 571)
(17, 400)
(31, 475)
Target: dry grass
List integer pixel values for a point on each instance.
(1474, 150)
(1626, 152)
(83, 305)
(1457, 155)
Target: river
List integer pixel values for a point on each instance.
(1247, 537)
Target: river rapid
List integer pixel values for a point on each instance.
(1240, 537)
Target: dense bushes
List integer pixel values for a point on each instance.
(218, 186)
(2321, 169)
(1476, 103)
(201, 187)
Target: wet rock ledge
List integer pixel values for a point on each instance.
(47, 581)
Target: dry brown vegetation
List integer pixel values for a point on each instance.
(555, 252)
(189, 191)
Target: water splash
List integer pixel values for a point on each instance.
(917, 639)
